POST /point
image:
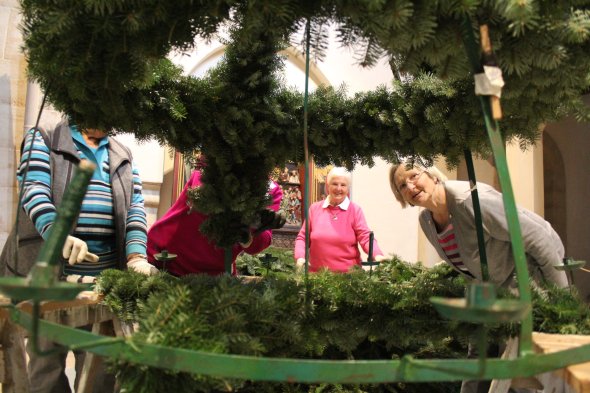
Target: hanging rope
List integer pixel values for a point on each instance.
(477, 213)
(306, 147)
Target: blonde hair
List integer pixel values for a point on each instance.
(433, 172)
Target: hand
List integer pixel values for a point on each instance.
(141, 265)
(270, 220)
(300, 264)
(76, 251)
(440, 263)
(243, 232)
(248, 242)
(88, 295)
(379, 258)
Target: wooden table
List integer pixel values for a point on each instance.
(74, 313)
(576, 376)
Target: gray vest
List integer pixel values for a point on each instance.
(63, 158)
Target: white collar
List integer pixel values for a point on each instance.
(344, 205)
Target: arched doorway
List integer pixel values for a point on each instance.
(567, 188)
(554, 186)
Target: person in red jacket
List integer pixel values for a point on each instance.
(178, 233)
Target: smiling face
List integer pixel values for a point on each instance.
(414, 185)
(337, 189)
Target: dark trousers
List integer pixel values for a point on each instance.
(47, 373)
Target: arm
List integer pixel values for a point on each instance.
(262, 239)
(37, 202)
(260, 242)
(136, 228)
(299, 251)
(276, 195)
(545, 249)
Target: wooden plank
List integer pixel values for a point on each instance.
(91, 363)
(577, 376)
(510, 352)
(51, 305)
(94, 372)
(73, 313)
(122, 329)
(503, 385)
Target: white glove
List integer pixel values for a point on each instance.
(78, 279)
(300, 263)
(141, 265)
(88, 295)
(379, 258)
(76, 251)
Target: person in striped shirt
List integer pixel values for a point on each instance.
(448, 221)
(111, 230)
(449, 224)
(93, 244)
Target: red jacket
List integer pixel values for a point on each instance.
(178, 233)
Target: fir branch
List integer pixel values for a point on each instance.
(105, 63)
(345, 316)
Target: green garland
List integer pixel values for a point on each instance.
(255, 265)
(353, 316)
(103, 63)
(89, 54)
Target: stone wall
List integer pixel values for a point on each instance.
(13, 85)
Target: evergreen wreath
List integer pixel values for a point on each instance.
(344, 316)
(103, 62)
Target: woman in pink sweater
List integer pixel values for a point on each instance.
(336, 226)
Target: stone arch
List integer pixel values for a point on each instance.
(292, 54)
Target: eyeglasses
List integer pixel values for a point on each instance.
(412, 179)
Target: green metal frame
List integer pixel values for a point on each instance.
(407, 369)
(498, 149)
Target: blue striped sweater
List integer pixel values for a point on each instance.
(96, 222)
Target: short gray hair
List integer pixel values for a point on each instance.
(432, 171)
(339, 171)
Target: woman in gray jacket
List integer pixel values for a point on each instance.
(448, 223)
